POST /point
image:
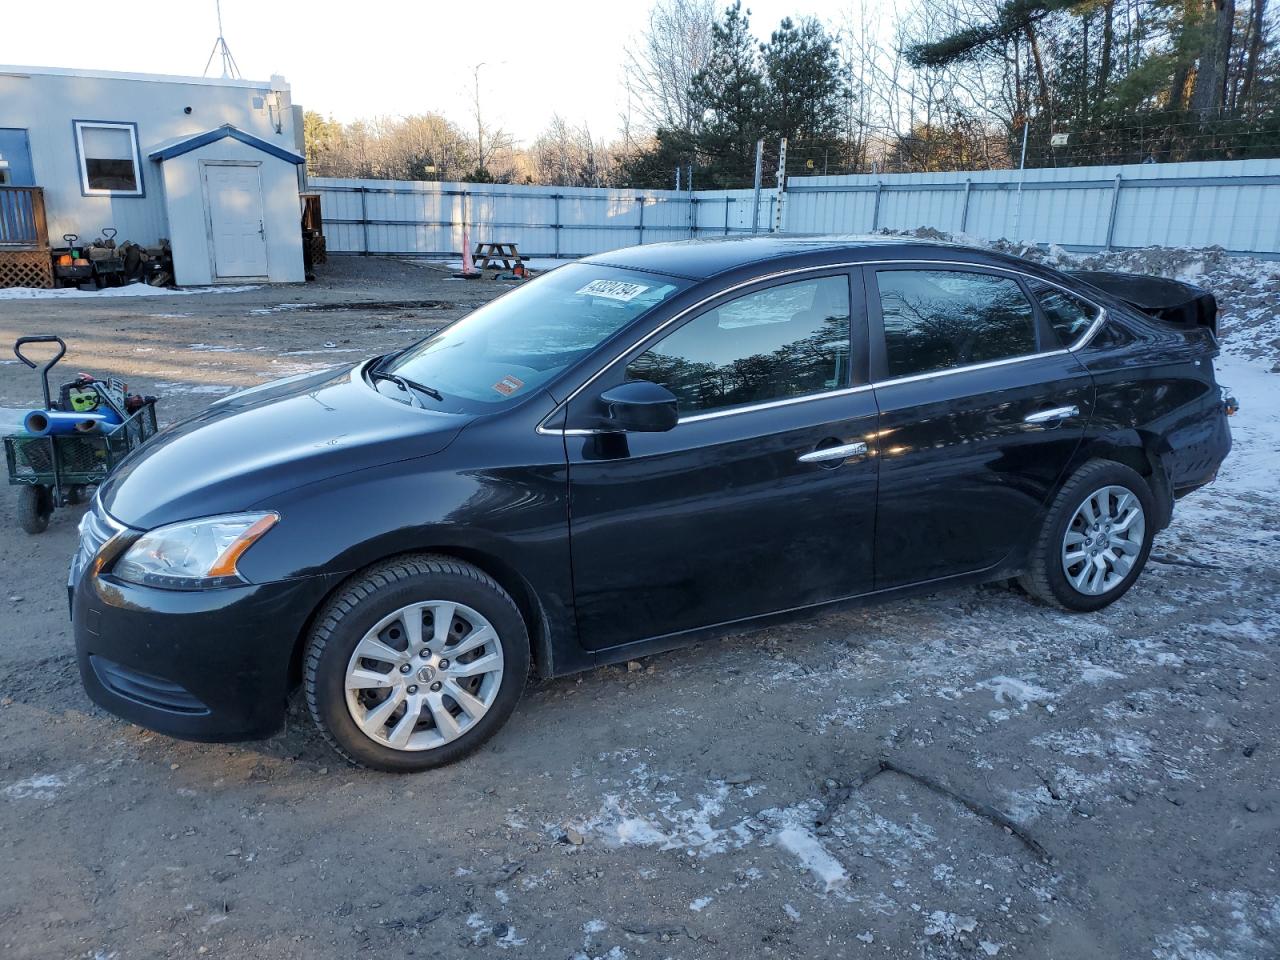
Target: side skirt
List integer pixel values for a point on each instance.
(577, 660)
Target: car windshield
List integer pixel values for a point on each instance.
(509, 348)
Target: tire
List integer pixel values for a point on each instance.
(376, 613)
(35, 507)
(1099, 578)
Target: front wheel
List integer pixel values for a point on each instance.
(35, 507)
(1095, 539)
(415, 664)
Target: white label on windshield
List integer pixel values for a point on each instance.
(613, 290)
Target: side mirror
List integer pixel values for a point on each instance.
(640, 406)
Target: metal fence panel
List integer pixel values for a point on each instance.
(1233, 203)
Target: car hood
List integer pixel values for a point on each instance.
(253, 445)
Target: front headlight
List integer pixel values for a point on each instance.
(194, 554)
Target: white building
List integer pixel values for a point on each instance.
(212, 165)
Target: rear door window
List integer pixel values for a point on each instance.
(943, 319)
(784, 341)
(1068, 315)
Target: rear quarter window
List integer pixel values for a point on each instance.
(1068, 315)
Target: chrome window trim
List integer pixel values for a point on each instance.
(769, 404)
(985, 365)
(1079, 344)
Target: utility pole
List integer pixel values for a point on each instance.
(782, 185)
(1022, 176)
(755, 208)
(479, 124)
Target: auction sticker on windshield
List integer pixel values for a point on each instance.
(508, 385)
(613, 290)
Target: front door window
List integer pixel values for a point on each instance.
(785, 341)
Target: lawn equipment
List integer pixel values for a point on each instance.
(72, 443)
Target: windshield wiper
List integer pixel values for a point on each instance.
(386, 358)
(411, 387)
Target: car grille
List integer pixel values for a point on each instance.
(96, 528)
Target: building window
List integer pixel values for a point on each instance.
(110, 164)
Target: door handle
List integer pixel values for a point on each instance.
(842, 452)
(1050, 416)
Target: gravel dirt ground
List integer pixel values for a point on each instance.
(961, 775)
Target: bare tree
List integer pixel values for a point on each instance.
(571, 156)
(660, 69)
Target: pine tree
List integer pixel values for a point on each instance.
(805, 89)
(729, 94)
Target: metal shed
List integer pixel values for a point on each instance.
(231, 200)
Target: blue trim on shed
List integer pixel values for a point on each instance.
(213, 136)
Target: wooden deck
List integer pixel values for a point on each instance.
(24, 239)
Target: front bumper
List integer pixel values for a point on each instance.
(208, 665)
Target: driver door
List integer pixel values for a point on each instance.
(763, 496)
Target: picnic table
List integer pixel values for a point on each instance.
(506, 253)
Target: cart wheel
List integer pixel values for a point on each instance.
(35, 507)
(75, 494)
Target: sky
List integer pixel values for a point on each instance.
(379, 58)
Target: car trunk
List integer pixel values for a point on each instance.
(1173, 301)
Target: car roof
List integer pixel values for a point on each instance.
(702, 259)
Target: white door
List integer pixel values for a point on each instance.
(234, 195)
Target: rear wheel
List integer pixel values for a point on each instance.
(416, 664)
(1095, 539)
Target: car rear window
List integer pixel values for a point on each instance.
(942, 319)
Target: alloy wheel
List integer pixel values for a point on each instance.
(1103, 540)
(424, 675)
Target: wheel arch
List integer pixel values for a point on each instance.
(536, 620)
(1141, 451)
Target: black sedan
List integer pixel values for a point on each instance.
(632, 452)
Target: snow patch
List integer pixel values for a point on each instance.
(671, 826)
(1013, 690)
(133, 290)
(949, 925)
(42, 786)
(1093, 674)
(813, 856)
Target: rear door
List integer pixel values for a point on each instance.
(981, 409)
(761, 499)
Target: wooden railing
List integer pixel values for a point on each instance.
(22, 222)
